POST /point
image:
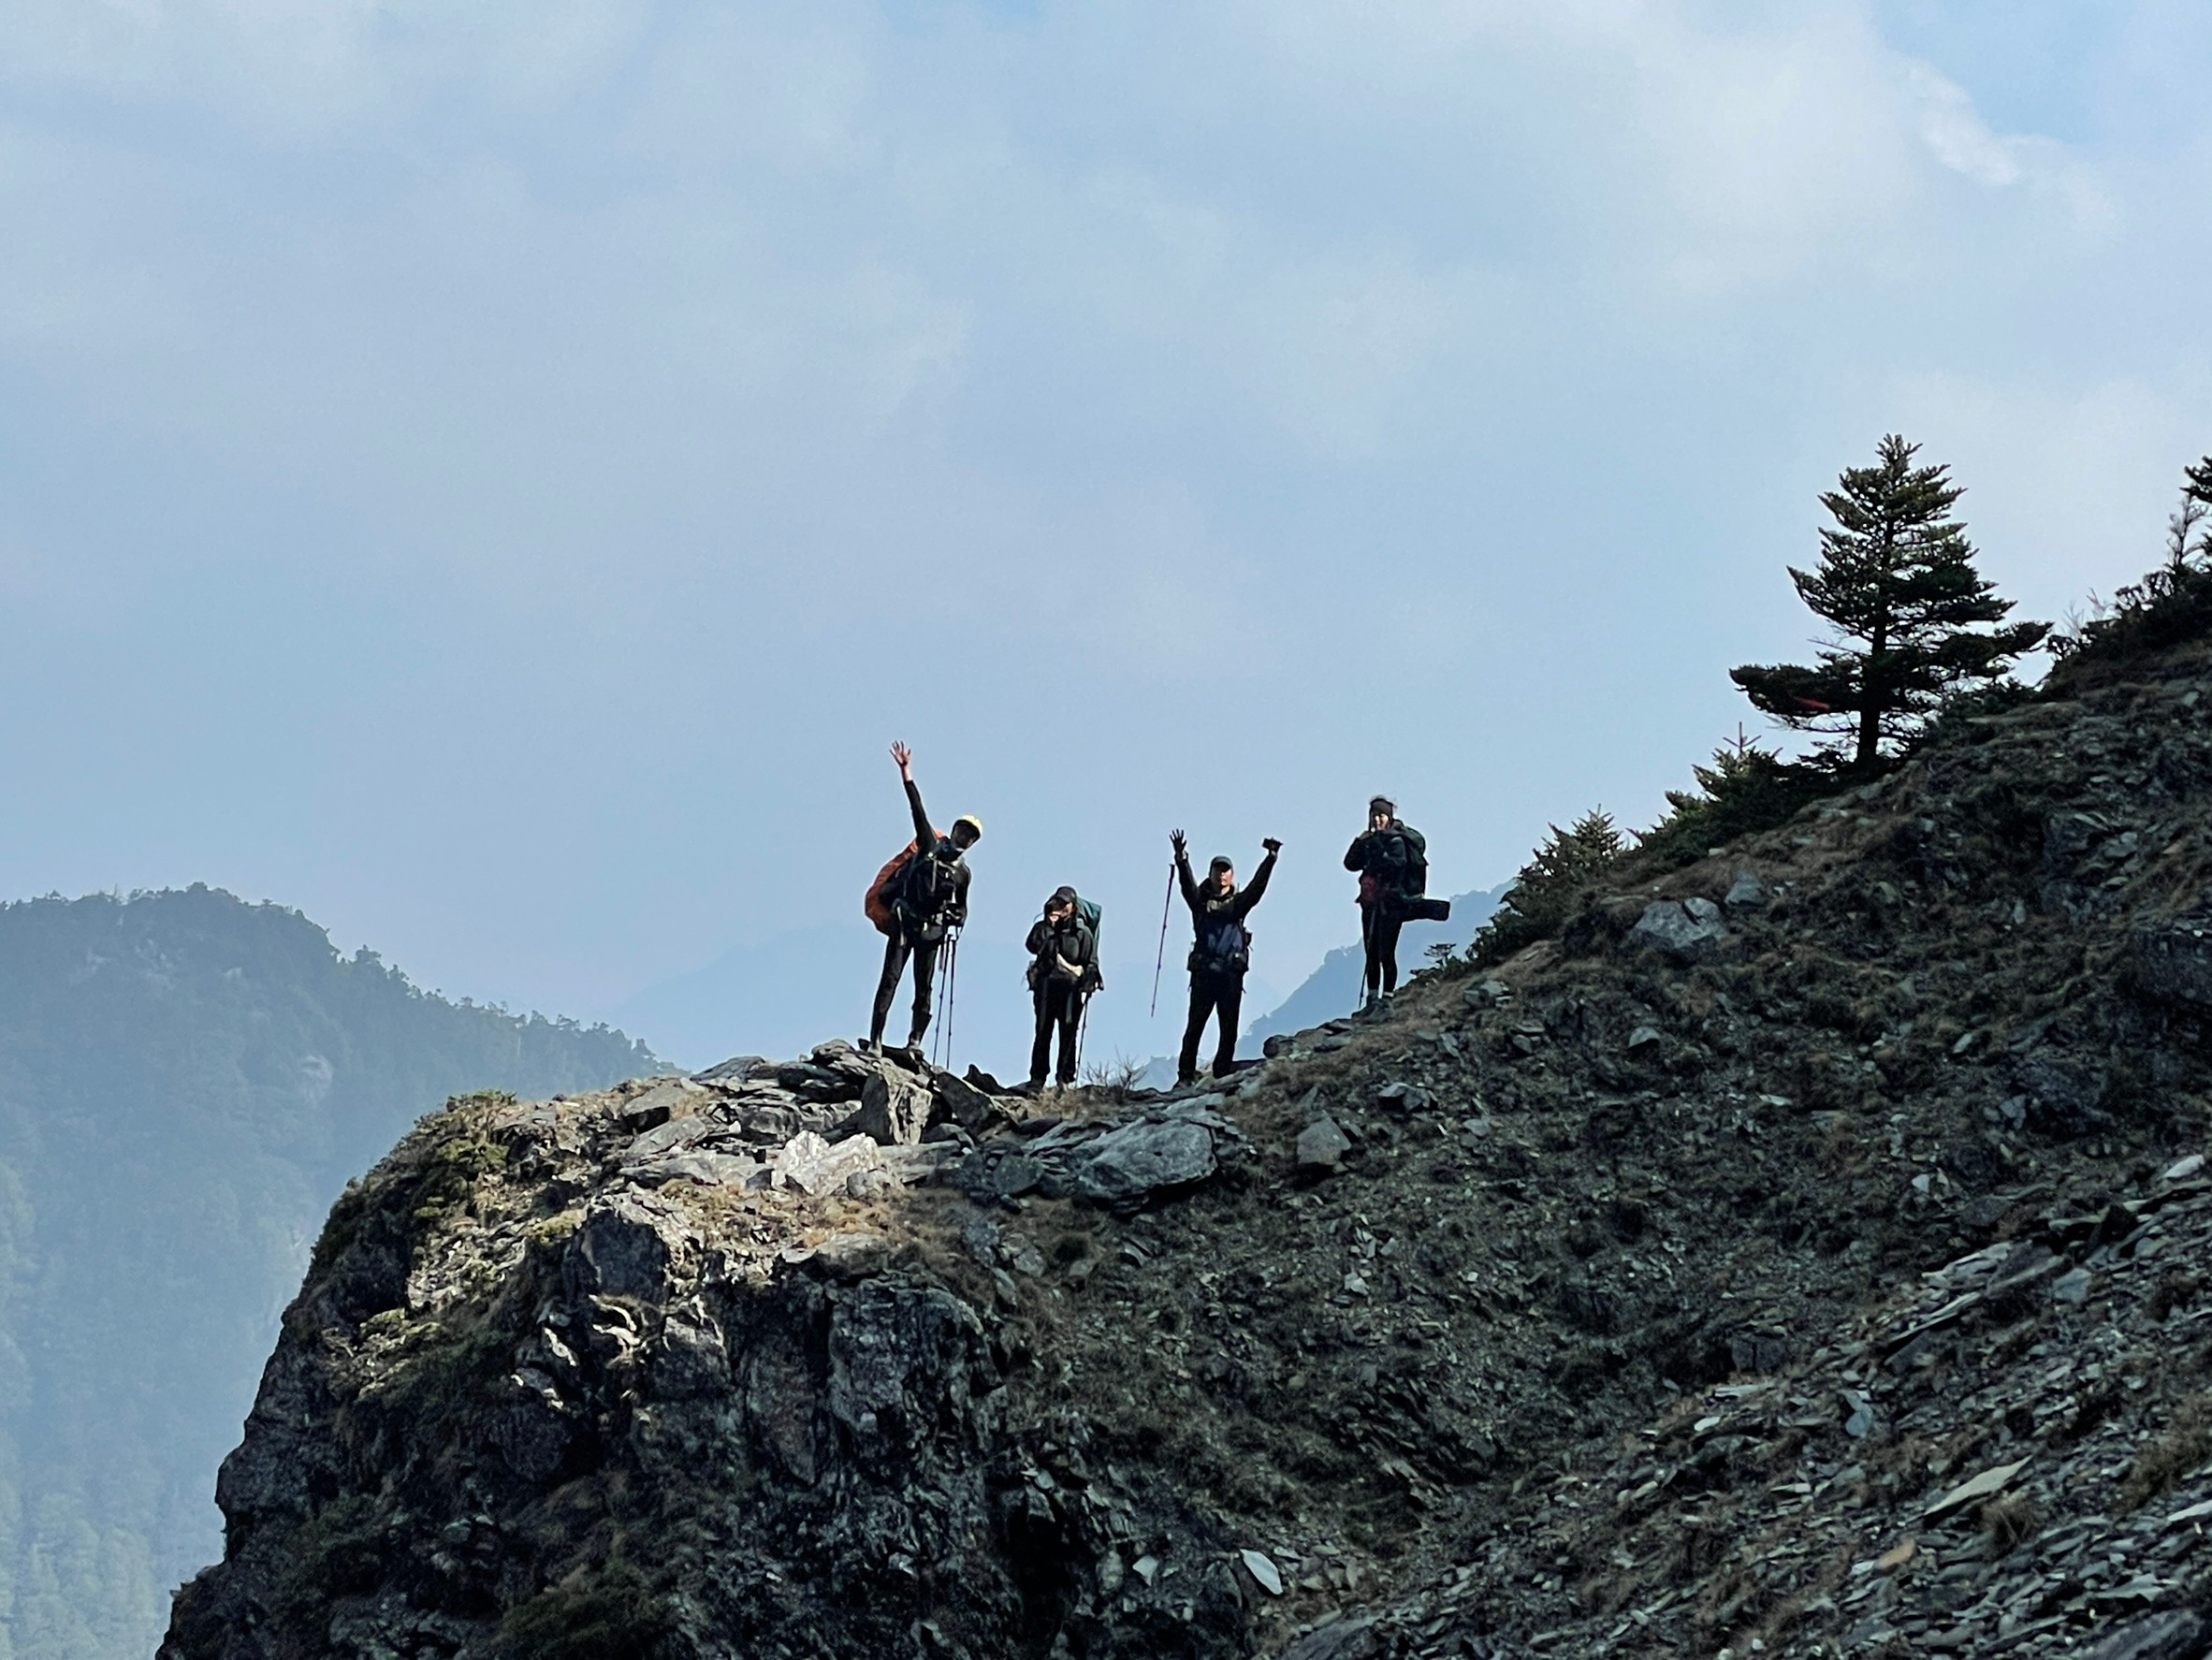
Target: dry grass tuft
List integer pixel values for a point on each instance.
(2008, 1520)
(2186, 1443)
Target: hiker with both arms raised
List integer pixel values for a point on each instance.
(1063, 973)
(927, 900)
(1220, 954)
(1393, 860)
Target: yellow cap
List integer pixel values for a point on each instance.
(973, 823)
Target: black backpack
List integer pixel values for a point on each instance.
(925, 885)
(1224, 946)
(1406, 863)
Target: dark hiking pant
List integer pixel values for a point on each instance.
(897, 949)
(1211, 996)
(1060, 1008)
(1379, 927)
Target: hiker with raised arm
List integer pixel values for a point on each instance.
(1219, 953)
(1393, 860)
(918, 900)
(1063, 947)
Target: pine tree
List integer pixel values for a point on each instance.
(2186, 536)
(1551, 886)
(1897, 584)
(1746, 790)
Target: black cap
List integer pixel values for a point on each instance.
(1221, 862)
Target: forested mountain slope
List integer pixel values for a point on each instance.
(186, 1081)
(1803, 1253)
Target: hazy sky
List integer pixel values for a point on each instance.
(497, 476)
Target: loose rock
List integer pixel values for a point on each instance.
(1689, 931)
(1321, 1147)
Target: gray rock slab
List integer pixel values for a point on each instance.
(676, 1098)
(1674, 927)
(1262, 1566)
(734, 1070)
(1321, 1147)
(893, 1109)
(993, 1173)
(670, 1137)
(813, 1165)
(958, 1101)
(1403, 1098)
(710, 1169)
(1127, 1165)
(2178, 1634)
(1986, 1485)
(1746, 892)
(918, 1161)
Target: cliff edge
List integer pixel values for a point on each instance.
(1804, 1254)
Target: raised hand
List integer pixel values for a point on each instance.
(905, 757)
(1270, 843)
(1181, 846)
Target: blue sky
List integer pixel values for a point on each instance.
(497, 477)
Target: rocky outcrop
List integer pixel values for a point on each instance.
(606, 1344)
(1803, 1255)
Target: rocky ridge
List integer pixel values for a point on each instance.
(1803, 1255)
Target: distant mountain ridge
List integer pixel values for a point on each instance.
(186, 1083)
(1333, 989)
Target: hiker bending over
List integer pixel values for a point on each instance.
(1393, 860)
(1220, 954)
(1063, 973)
(925, 899)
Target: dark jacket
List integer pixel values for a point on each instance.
(1387, 861)
(1055, 950)
(933, 895)
(1222, 945)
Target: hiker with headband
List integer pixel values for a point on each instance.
(1393, 860)
(917, 901)
(1220, 954)
(1063, 947)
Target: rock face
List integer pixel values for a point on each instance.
(1830, 1281)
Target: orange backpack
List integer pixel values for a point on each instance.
(885, 889)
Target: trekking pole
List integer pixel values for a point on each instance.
(1165, 907)
(951, 990)
(937, 1018)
